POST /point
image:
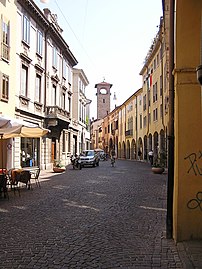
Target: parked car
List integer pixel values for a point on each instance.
(89, 157)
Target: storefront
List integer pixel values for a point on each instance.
(30, 152)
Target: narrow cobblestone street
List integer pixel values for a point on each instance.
(103, 217)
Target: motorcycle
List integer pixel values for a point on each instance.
(76, 162)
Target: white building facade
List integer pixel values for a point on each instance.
(42, 81)
(80, 124)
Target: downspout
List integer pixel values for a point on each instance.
(199, 68)
(170, 185)
(148, 109)
(162, 75)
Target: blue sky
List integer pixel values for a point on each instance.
(110, 39)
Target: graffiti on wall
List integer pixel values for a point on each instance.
(196, 202)
(195, 163)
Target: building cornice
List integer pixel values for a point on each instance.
(48, 27)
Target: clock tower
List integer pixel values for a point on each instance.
(103, 99)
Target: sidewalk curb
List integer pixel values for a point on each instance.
(184, 256)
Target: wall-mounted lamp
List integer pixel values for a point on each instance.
(199, 74)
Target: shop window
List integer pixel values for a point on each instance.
(30, 152)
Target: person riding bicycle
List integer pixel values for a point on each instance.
(113, 153)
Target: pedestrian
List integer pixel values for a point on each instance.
(151, 156)
(113, 153)
(139, 154)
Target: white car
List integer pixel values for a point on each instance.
(89, 157)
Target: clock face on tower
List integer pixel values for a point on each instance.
(103, 91)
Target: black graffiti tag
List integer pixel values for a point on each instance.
(194, 161)
(196, 202)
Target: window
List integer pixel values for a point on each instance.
(155, 92)
(63, 141)
(24, 80)
(103, 101)
(157, 59)
(26, 30)
(39, 47)
(80, 108)
(38, 88)
(130, 124)
(144, 102)
(69, 75)
(140, 100)
(63, 100)
(161, 110)
(54, 94)
(5, 88)
(5, 40)
(154, 64)
(64, 69)
(145, 121)
(155, 114)
(69, 141)
(69, 104)
(161, 85)
(140, 121)
(54, 57)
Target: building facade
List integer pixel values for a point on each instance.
(80, 122)
(41, 85)
(8, 75)
(186, 47)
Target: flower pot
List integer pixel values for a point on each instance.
(158, 170)
(58, 169)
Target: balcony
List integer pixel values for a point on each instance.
(55, 112)
(129, 133)
(56, 119)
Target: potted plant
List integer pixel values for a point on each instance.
(159, 163)
(58, 167)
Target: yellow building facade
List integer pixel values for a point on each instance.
(155, 95)
(187, 216)
(165, 115)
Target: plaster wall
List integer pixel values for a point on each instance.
(187, 120)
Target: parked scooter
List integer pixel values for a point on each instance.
(76, 162)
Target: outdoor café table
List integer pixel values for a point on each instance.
(34, 171)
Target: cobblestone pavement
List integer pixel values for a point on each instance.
(104, 217)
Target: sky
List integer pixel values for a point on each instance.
(110, 40)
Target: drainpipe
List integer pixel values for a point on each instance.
(170, 185)
(199, 68)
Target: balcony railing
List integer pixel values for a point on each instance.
(57, 112)
(129, 133)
